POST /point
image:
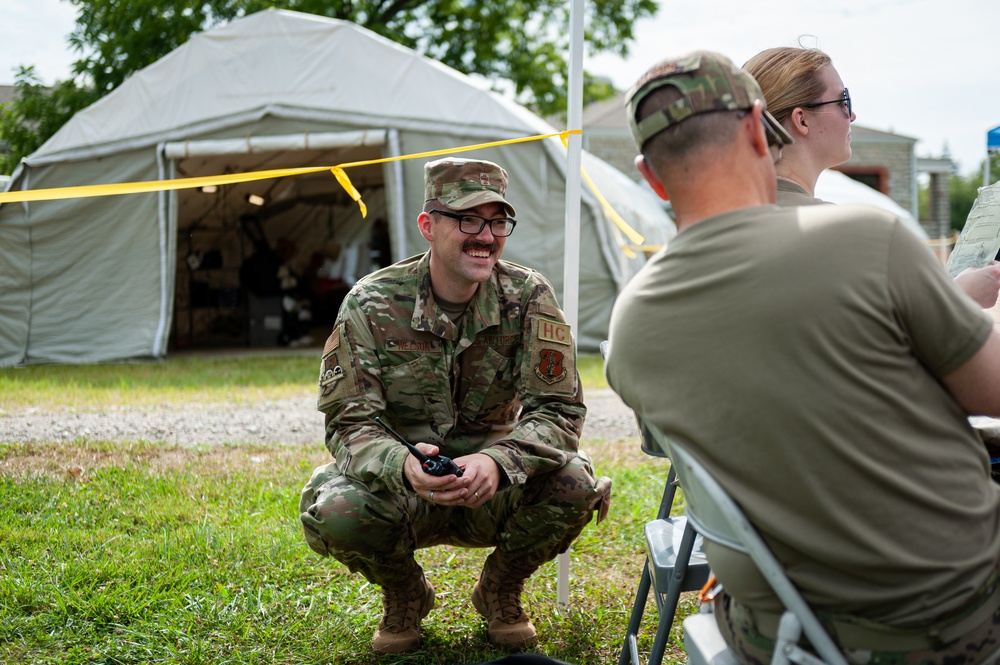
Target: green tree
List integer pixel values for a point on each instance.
(518, 43)
(35, 114)
(962, 193)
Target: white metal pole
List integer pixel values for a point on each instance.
(571, 250)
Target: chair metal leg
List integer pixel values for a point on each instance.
(660, 640)
(667, 500)
(630, 651)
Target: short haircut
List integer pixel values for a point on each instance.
(788, 77)
(682, 140)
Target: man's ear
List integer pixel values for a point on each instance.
(758, 135)
(654, 180)
(426, 228)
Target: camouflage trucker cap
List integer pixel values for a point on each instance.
(461, 184)
(707, 82)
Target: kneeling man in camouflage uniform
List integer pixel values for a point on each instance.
(469, 357)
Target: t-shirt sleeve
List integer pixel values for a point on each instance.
(946, 327)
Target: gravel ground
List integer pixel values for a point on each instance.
(288, 421)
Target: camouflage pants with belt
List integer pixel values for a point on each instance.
(376, 533)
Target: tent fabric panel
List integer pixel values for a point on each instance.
(96, 278)
(15, 284)
(597, 289)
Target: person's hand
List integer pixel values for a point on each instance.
(484, 479)
(443, 490)
(981, 284)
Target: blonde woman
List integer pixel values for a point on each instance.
(807, 96)
(805, 93)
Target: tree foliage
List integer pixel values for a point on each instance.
(962, 193)
(35, 114)
(518, 43)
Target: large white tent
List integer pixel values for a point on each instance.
(107, 278)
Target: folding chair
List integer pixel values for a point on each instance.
(674, 562)
(719, 519)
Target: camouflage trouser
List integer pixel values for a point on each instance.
(376, 533)
(978, 645)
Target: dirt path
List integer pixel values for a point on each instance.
(288, 421)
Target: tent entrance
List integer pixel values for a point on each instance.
(266, 263)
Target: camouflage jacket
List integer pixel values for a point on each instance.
(502, 382)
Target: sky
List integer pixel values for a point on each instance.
(927, 69)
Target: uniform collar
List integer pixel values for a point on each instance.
(483, 311)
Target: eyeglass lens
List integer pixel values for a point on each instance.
(473, 225)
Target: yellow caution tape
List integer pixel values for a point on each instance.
(632, 234)
(348, 186)
(339, 171)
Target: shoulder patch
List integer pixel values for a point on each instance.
(550, 367)
(551, 358)
(337, 378)
(332, 342)
(553, 331)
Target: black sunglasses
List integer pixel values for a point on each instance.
(844, 99)
(501, 227)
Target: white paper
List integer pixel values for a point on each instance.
(979, 241)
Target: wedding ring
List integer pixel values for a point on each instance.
(432, 495)
(477, 495)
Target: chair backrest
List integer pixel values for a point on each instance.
(718, 518)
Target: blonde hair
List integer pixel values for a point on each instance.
(787, 76)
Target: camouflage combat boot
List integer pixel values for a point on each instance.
(497, 596)
(405, 605)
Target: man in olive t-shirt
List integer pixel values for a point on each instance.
(822, 364)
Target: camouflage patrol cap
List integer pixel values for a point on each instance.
(707, 82)
(461, 184)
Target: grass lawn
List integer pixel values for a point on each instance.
(143, 552)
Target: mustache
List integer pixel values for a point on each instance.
(475, 244)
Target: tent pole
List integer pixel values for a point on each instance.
(571, 251)
(167, 275)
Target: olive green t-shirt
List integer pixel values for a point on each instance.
(792, 194)
(800, 350)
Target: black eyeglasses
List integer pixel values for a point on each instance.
(845, 101)
(501, 227)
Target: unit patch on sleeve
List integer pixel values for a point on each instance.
(553, 331)
(550, 368)
(553, 361)
(336, 375)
